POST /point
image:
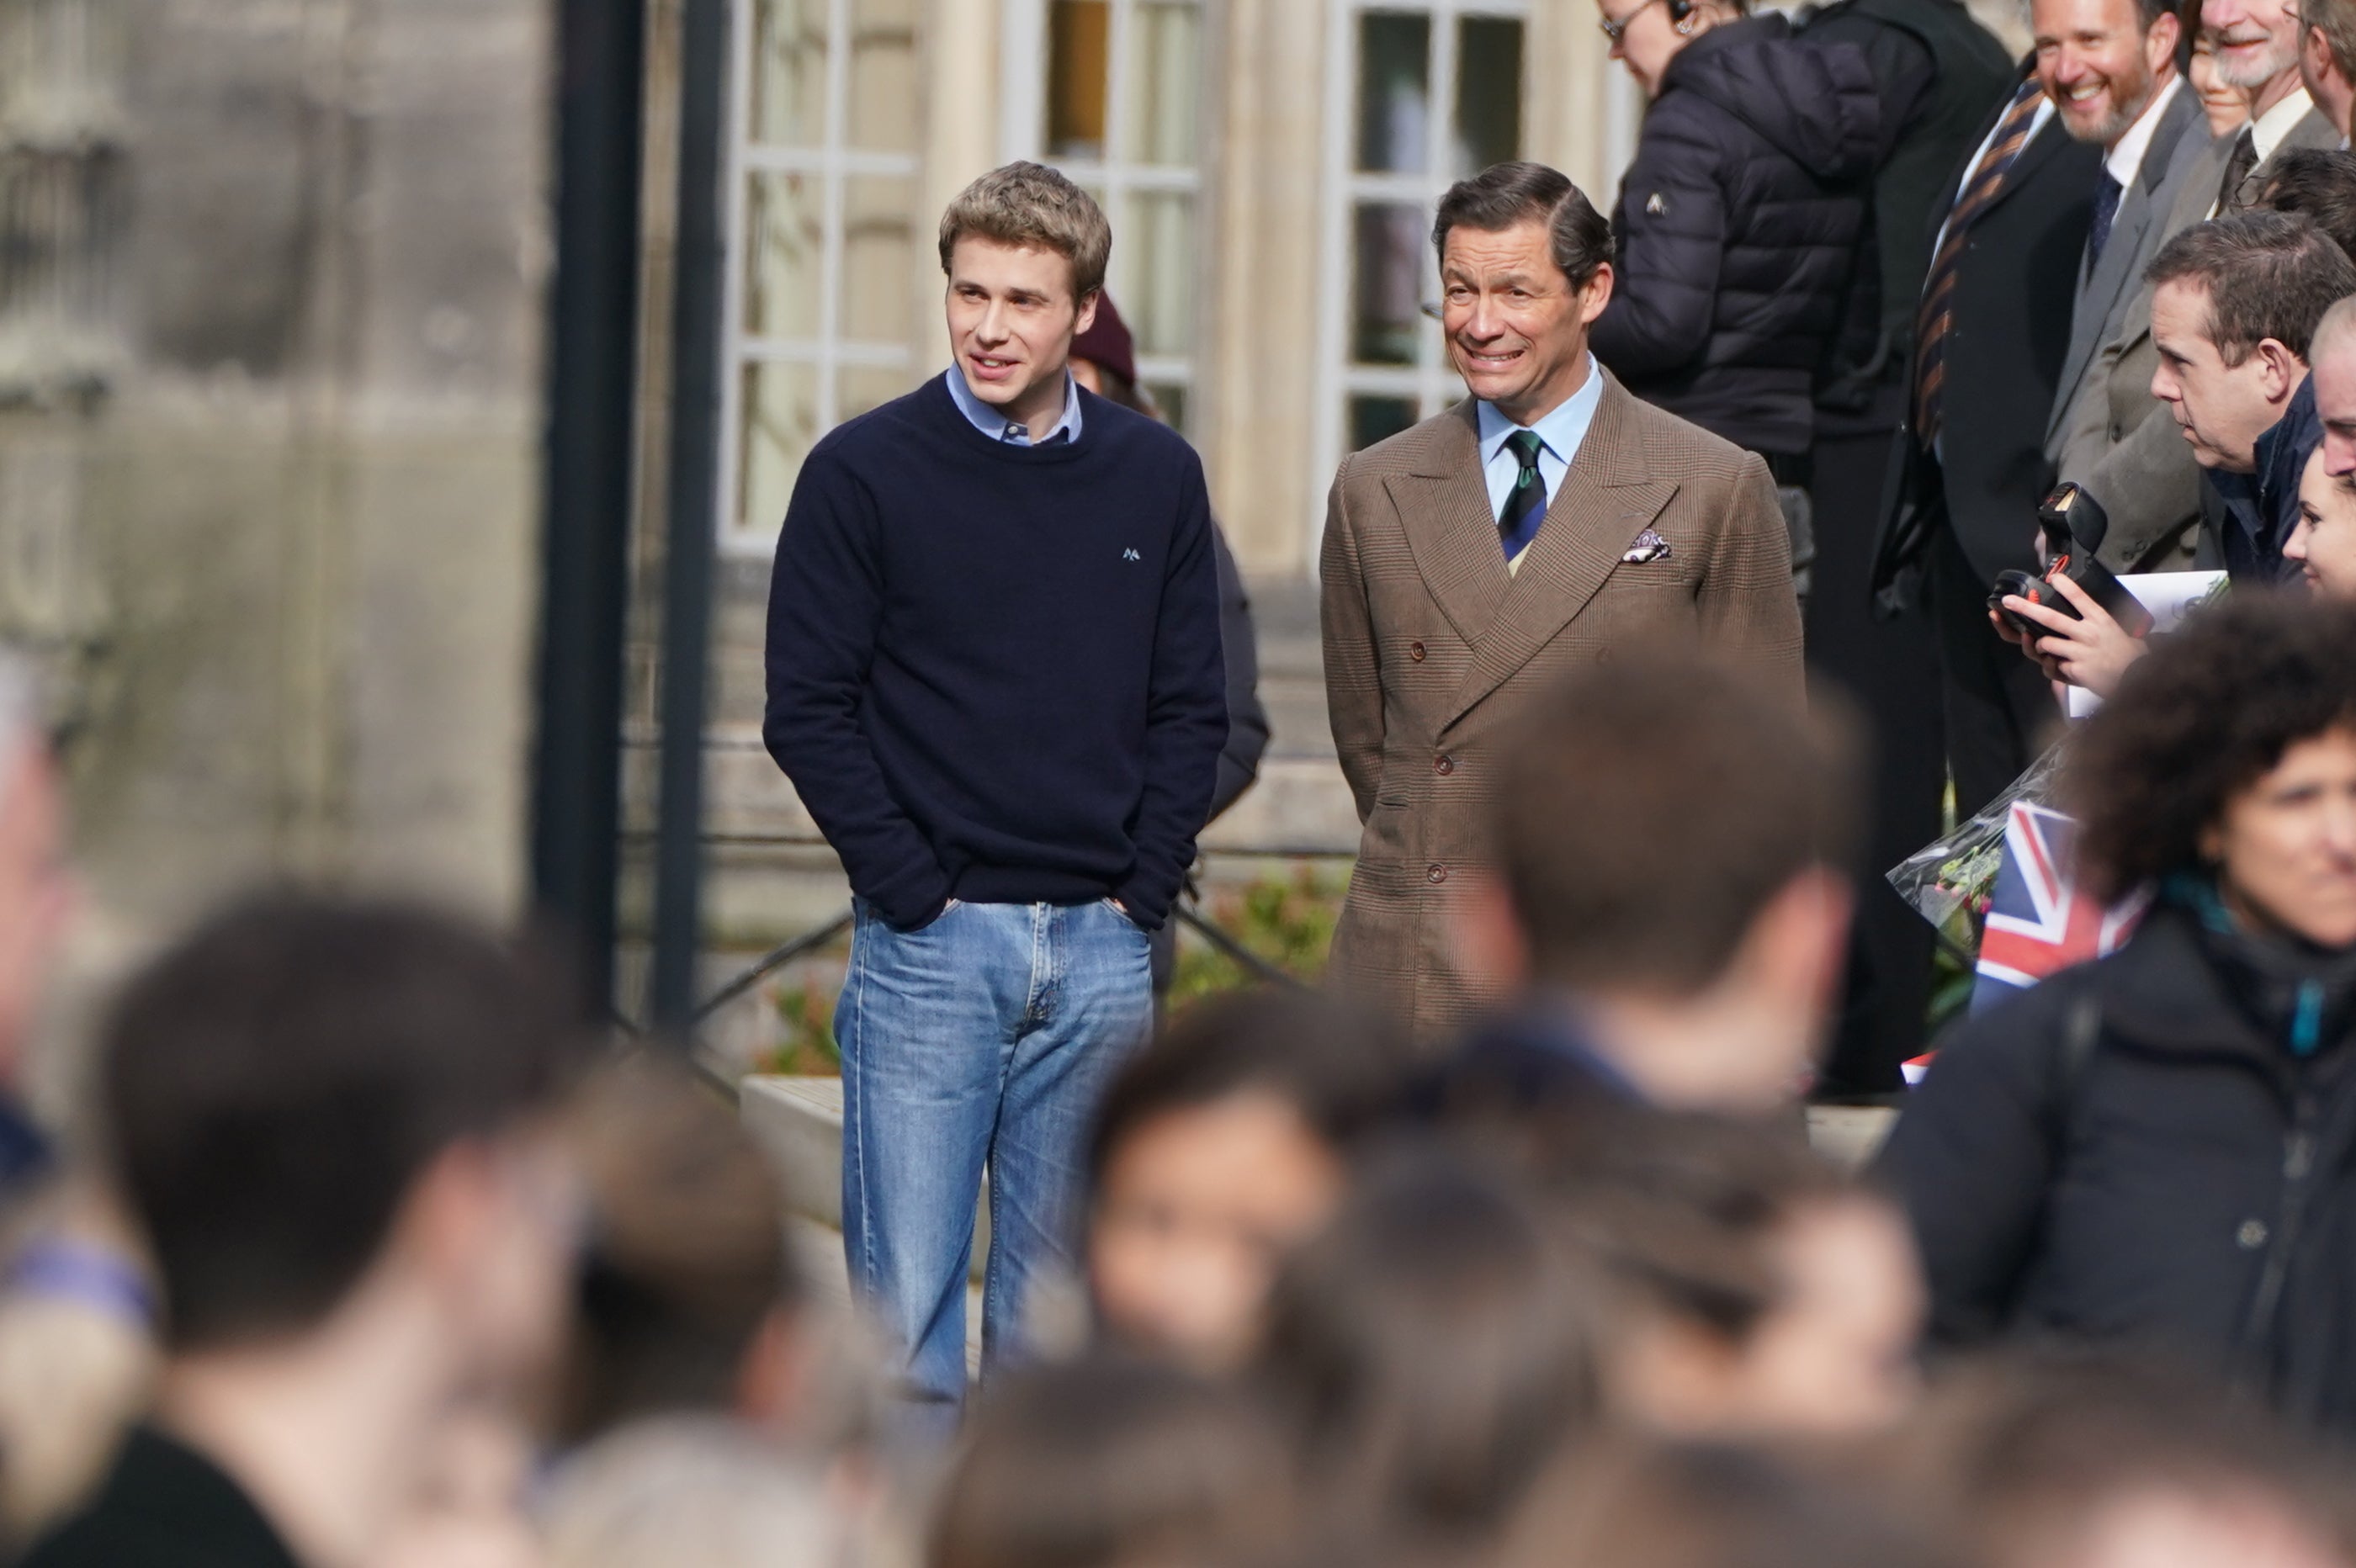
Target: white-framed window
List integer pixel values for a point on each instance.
(822, 175)
(1416, 97)
(1114, 96)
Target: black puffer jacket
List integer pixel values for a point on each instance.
(2132, 1152)
(1740, 228)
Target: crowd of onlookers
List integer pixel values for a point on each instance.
(378, 1250)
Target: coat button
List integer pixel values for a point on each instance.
(1443, 764)
(1436, 875)
(1415, 652)
(1603, 656)
(2252, 1235)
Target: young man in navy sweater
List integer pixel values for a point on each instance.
(994, 677)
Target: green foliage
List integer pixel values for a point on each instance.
(806, 1013)
(1286, 920)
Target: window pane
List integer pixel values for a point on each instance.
(1488, 92)
(1394, 91)
(780, 415)
(1170, 398)
(861, 388)
(1159, 235)
(790, 72)
(1079, 47)
(1385, 275)
(1165, 68)
(784, 223)
(878, 251)
(1377, 419)
(882, 117)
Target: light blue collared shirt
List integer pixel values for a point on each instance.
(1562, 431)
(998, 427)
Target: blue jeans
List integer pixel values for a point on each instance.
(985, 1038)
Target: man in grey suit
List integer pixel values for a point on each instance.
(2127, 454)
(2110, 65)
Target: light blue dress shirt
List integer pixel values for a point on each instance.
(998, 427)
(1561, 430)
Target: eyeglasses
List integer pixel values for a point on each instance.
(1616, 30)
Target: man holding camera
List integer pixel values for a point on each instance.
(2234, 308)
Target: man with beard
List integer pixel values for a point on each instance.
(2110, 68)
(2139, 469)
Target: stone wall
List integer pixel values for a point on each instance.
(270, 362)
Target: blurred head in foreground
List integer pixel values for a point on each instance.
(1429, 1352)
(2091, 1462)
(1218, 1148)
(1708, 1506)
(1672, 831)
(1756, 1291)
(689, 1301)
(1110, 1462)
(688, 1492)
(335, 1125)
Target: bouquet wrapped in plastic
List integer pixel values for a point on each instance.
(1948, 881)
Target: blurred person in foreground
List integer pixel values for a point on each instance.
(2160, 1146)
(698, 1492)
(77, 1308)
(1666, 940)
(1736, 236)
(1549, 522)
(2078, 1461)
(690, 1298)
(1756, 1292)
(337, 1125)
(1220, 1148)
(1104, 361)
(1709, 1506)
(1428, 1355)
(1111, 1463)
(2236, 305)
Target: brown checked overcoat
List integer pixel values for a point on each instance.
(1432, 648)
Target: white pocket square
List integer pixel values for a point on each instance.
(1649, 546)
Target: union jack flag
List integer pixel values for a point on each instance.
(2038, 920)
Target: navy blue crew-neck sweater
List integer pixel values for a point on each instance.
(995, 670)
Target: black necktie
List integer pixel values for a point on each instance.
(2238, 164)
(2107, 207)
(1525, 503)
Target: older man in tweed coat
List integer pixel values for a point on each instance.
(1550, 521)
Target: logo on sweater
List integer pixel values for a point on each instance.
(1131, 555)
(1657, 204)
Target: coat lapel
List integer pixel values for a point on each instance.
(1443, 506)
(1605, 502)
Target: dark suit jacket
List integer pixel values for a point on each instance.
(1433, 650)
(2014, 289)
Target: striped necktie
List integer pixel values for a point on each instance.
(1937, 313)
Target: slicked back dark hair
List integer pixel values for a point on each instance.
(1340, 1070)
(1505, 195)
(2201, 717)
(274, 1085)
(2267, 274)
(1650, 809)
(2319, 182)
